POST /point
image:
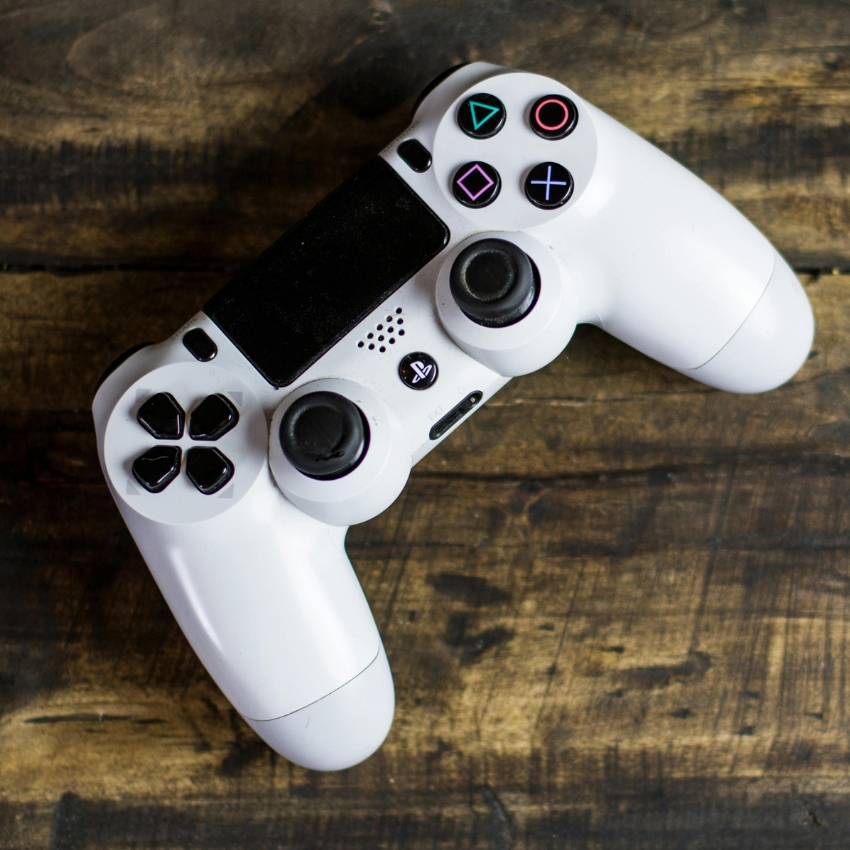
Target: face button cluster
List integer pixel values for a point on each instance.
(548, 185)
(163, 418)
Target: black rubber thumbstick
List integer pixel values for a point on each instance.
(494, 282)
(324, 435)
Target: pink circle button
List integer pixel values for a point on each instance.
(553, 116)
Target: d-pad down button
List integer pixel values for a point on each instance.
(213, 418)
(208, 469)
(157, 467)
(162, 417)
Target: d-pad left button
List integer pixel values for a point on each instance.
(157, 467)
(162, 417)
(213, 418)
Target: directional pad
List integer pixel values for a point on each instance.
(157, 467)
(213, 418)
(208, 469)
(162, 417)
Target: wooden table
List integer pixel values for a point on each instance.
(616, 602)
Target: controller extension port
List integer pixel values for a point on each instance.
(455, 415)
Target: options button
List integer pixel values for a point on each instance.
(415, 155)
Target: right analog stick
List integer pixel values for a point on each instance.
(494, 282)
(324, 435)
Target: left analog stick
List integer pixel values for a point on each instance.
(324, 435)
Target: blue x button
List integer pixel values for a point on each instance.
(548, 185)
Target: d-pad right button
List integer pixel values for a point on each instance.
(213, 418)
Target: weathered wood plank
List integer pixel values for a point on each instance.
(197, 131)
(565, 652)
(615, 604)
(600, 407)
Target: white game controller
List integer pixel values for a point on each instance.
(296, 403)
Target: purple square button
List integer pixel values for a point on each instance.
(476, 184)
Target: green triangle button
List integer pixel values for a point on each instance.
(481, 115)
(487, 112)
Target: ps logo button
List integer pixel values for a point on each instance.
(418, 370)
(553, 117)
(476, 184)
(481, 116)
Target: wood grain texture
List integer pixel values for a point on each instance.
(196, 131)
(615, 601)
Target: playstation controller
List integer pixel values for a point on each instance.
(296, 402)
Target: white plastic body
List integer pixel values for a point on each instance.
(257, 575)
(646, 250)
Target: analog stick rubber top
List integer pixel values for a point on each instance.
(324, 435)
(494, 282)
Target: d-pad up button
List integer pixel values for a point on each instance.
(157, 467)
(162, 417)
(208, 469)
(213, 418)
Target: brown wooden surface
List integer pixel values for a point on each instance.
(616, 603)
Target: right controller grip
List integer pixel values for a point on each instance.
(771, 344)
(673, 269)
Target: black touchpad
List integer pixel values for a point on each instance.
(328, 272)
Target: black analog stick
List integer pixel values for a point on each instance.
(494, 282)
(324, 435)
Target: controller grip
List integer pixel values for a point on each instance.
(771, 344)
(341, 729)
(671, 268)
